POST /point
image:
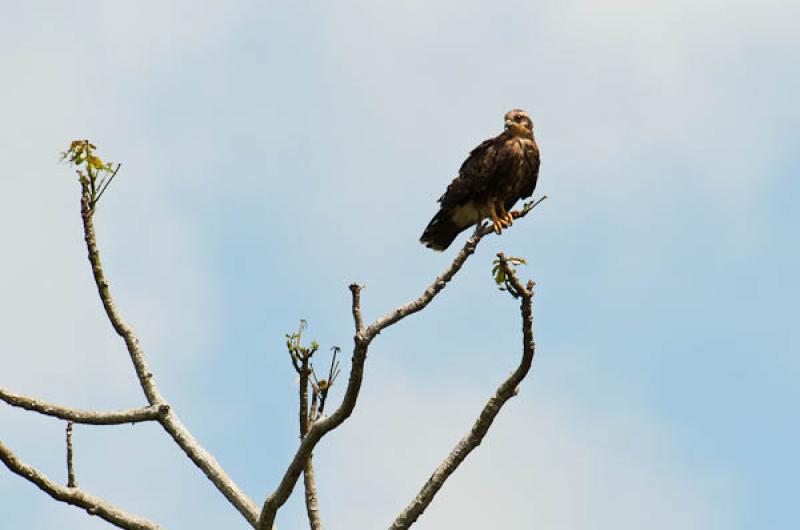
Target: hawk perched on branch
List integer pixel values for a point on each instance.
(497, 173)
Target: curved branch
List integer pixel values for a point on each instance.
(91, 417)
(75, 496)
(169, 421)
(504, 392)
(120, 326)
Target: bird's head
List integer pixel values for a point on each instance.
(518, 123)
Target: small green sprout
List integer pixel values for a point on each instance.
(499, 271)
(94, 174)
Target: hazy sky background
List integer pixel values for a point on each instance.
(275, 152)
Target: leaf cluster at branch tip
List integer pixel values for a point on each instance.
(499, 271)
(93, 173)
(301, 357)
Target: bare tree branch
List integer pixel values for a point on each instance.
(123, 329)
(169, 421)
(92, 417)
(505, 391)
(75, 496)
(357, 318)
(362, 339)
(71, 482)
(306, 417)
(312, 498)
(323, 386)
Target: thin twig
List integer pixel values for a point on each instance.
(323, 387)
(91, 417)
(304, 372)
(74, 496)
(526, 209)
(71, 483)
(504, 392)
(312, 411)
(104, 188)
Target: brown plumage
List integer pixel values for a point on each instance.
(497, 173)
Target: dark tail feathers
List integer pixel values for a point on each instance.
(441, 231)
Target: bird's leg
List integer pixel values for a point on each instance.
(497, 223)
(505, 217)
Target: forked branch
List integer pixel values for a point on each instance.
(94, 176)
(75, 496)
(319, 428)
(169, 421)
(301, 360)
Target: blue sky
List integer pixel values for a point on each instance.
(273, 154)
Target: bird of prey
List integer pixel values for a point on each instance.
(495, 175)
